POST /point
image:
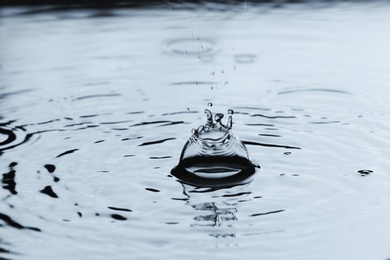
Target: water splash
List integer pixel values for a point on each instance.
(214, 156)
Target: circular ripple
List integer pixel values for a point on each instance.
(11, 137)
(192, 46)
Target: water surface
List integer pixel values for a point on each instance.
(95, 109)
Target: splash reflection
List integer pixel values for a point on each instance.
(215, 211)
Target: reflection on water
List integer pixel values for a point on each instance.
(96, 106)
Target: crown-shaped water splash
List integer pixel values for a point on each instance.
(214, 156)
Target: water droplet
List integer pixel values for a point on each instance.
(218, 117)
(209, 104)
(230, 112)
(212, 73)
(226, 82)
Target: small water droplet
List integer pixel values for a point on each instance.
(209, 104)
(218, 117)
(226, 82)
(222, 72)
(212, 73)
(230, 112)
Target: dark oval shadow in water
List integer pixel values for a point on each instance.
(247, 169)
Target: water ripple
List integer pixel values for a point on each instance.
(156, 142)
(271, 145)
(12, 136)
(191, 46)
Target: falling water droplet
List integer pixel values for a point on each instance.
(209, 104)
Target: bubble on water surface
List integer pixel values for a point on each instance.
(214, 156)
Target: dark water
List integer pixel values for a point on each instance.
(95, 109)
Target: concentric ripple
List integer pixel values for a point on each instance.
(11, 137)
(192, 46)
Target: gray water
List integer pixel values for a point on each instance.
(95, 108)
